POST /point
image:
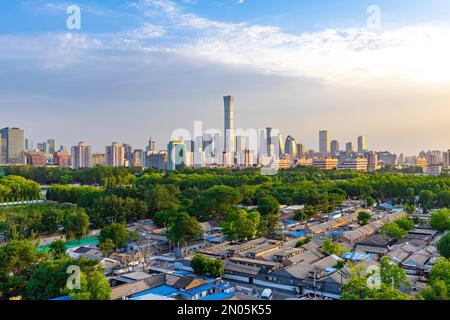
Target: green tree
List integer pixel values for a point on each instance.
(393, 230)
(18, 258)
(439, 281)
(76, 224)
(183, 229)
(94, 286)
(52, 218)
(331, 248)
(364, 217)
(370, 202)
(202, 266)
(107, 247)
(58, 249)
(440, 220)
(268, 205)
(241, 225)
(443, 246)
(405, 222)
(426, 199)
(117, 233)
(215, 202)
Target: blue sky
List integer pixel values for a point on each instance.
(141, 68)
(291, 15)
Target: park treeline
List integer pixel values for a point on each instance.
(15, 188)
(206, 194)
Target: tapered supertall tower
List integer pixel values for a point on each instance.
(229, 140)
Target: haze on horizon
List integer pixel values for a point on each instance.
(140, 69)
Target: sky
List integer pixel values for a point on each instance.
(142, 68)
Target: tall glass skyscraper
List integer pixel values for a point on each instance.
(12, 146)
(229, 140)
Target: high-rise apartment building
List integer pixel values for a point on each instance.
(301, 150)
(446, 156)
(137, 158)
(115, 155)
(362, 145)
(99, 160)
(81, 156)
(12, 146)
(229, 142)
(324, 143)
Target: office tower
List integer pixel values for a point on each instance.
(301, 150)
(81, 156)
(115, 155)
(361, 144)
(61, 158)
(99, 160)
(241, 146)
(269, 143)
(349, 147)
(280, 146)
(262, 144)
(62, 148)
(334, 147)
(229, 146)
(446, 159)
(13, 146)
(137, 158)
(401, 159)
(324, 144)
(291, 147)
(177, 155)
(157, 160)
(29, 146)
(128, 152)
(51, 146)
(151, 145)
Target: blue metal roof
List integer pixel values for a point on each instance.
(61, 298)
(165, 291)
(299, 234)
(218, 296)
(200, 289)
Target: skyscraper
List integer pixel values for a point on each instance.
(269, 142)
(115, 155)
(229, 142)
(324, 143)
(151, 145)
(361, 144)
(291, 147)
(12, 146)
(349, 147)
(51, 146)
(334, 147)
(128, 152)
(177, 155)
(81, 156)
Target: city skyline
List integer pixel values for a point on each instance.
(149, 67)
